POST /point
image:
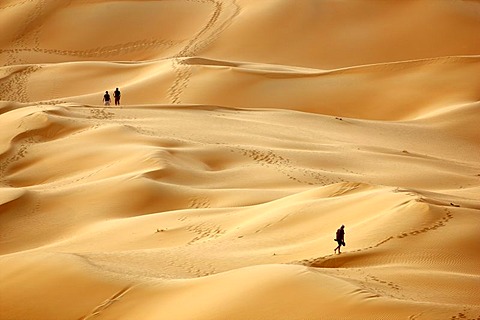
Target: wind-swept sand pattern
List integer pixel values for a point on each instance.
(249, 131)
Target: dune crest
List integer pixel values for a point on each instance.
(248, 132)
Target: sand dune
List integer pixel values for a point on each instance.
(407, 85)
(248, 132)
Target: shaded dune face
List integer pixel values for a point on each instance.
(248, 133)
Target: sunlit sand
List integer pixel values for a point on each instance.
(247, 133)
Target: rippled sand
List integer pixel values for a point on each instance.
(248, 132)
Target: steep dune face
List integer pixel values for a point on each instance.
(248, 132)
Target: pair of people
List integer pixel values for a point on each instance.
(116, 95)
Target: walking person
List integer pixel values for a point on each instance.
(116, 95)
(340, 238)
(106, 98)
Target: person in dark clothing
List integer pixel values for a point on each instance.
(116, 95)
(340, 238)
(106, 98)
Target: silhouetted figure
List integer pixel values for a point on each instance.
(116, 95)
(106, 98)
(340, 238)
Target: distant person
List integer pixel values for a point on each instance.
(340, 238)
(116, 95)
(106, 98)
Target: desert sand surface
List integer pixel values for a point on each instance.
(248, 132)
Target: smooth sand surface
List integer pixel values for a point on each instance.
(248, 132)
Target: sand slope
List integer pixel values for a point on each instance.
(249, 131)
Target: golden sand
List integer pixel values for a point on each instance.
(248, 132)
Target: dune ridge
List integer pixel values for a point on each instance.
(330, 92)
(248, 132)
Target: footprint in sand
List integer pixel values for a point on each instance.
(199, 203)
(15, 87)
(107, 303)
(205, 231)
(101, 114)
(205, 36)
